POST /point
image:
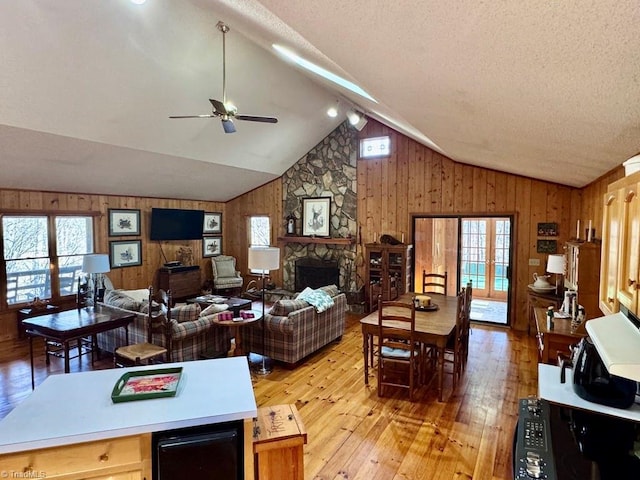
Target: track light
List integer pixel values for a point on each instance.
(332, 112)
(353, 116)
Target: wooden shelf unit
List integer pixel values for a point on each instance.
(388, 272)
(582, 274)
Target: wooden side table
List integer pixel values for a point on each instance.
(278, 441)
(30, 312)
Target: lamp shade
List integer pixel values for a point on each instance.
(556, 263)
(96, 263)
(264, 258)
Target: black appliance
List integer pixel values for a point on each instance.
(214, 452)
(559, 443)
(593, 382)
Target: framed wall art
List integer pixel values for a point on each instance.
(211, 246)
(125, 253)
(316, 216)
(547, 229)
(547, 246)
(212, 223)
(124, 222)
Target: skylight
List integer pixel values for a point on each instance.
(332, 77)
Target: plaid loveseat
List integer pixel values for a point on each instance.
(189, 339)
(297, 330)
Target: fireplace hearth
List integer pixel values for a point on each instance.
(314, 273)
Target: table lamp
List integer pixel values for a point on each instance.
(264, 259)
(96, 264)
(556, 264)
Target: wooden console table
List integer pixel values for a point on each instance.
(558, 340)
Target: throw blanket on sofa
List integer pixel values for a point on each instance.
(320, 299)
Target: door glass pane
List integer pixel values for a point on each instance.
(501, 255)
(473, 255)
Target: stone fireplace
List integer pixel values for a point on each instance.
(327, 170)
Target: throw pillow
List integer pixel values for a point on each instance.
(284, 307)
(185, 313)
(225, 268)
(214, 308)
(117, 298)
(320, 299)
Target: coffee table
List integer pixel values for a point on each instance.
(235, 304)
(72, 325)
(237, 325)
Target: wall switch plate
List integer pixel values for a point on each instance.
(534, 262)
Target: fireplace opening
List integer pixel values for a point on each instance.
(314, 273)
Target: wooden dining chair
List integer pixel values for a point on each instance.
(399, 354)
(453, 353)
(466, 326)
(158, 324)
(434, 282)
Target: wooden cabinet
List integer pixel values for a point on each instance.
(388, 271)
(620, 271)
(583, 271)
(183, 282)
(117, 458)
(278, 443)
(611, 225)
(540, 300)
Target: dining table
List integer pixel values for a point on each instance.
(434, 326)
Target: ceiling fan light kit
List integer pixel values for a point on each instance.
(227, 112)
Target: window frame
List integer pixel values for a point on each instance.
(250, 235)
(54, 263)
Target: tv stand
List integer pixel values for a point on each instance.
(183, 281)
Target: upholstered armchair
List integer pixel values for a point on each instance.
(225, 275)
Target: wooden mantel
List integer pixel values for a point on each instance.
(323, 240)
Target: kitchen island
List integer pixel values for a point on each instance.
(70, 425)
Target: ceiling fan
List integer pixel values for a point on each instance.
(220, 108)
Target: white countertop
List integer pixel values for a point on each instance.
(550, 388)
(77, 407)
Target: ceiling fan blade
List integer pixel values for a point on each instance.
(228, 126)
(218, 107)
(192, 116)
(253, 118)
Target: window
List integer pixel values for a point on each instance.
(259, 234)
(375, 147)
(42, 254)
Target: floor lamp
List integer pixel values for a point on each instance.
(264, 259)
(95, 265)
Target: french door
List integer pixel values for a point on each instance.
(484, 256)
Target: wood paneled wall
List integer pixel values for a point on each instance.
(265, 200)
(591, 199)
(416, 180)
(128, 277)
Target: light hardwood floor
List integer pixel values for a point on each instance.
(354, 434)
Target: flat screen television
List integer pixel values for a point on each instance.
(176, 224)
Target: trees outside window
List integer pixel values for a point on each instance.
(42, 255)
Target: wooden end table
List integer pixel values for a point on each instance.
(237, 325)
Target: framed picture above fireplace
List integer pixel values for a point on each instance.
(316, 213)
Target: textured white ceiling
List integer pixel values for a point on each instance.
(549, 90)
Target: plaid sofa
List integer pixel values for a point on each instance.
(189, 339)
(290, 337)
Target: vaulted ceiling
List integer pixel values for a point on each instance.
(549, 90)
